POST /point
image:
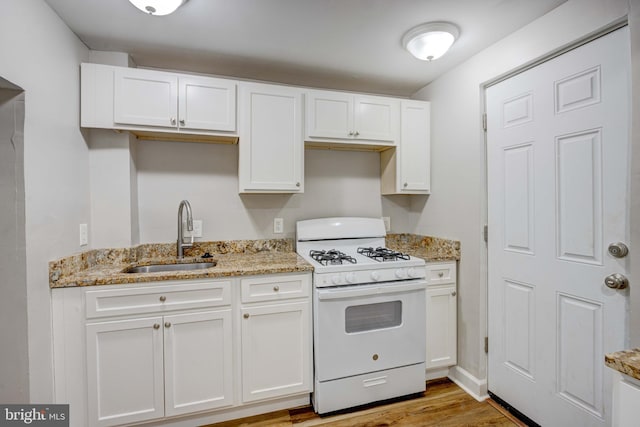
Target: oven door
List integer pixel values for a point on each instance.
(367, 328)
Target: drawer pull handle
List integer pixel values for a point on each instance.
(167, 324)
(440, 274)
(246, 315)
(156, 326)
(375, 381)
(163, 298)
(276, 288)
(454, 293)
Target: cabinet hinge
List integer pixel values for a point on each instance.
(485, 234)
(484, 122)
(486, 344)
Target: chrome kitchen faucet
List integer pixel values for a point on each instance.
(180, 244)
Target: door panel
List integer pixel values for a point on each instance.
(557, 162)
(579, 192)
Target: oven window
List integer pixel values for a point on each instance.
(369, 317)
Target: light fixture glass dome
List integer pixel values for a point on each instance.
(430, 41)
(158, 7)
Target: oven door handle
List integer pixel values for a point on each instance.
(364, 290)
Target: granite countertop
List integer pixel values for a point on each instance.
(233, 258)
(431, 249)
(626, 361)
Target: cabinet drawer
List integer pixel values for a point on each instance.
(157, 298)
(438, 274)
(272, 288)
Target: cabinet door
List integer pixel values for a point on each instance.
(414, 147)
(145, 98)
(198, 365)
(271, 144)
(207, 103)
(441, 326)
(376, 118)
(329, 115)
(276, 350)
(125, 371)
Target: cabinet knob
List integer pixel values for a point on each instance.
(276, 288)
(454, 293)
(351, 133)
(163, 298)
(297, 184)
(405, 184)
(173, 121)
(156, 326)
(167, 324)
(440, 274)
(182, 122)
(246, 315)
(356, 133)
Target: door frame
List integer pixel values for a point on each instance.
(484, 252)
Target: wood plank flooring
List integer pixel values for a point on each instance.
(443, 404)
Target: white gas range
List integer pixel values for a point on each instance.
(369, 313)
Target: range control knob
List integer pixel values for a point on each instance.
(375, 276)
(350, 277)
(400, 273)
(336, 279)
(412, 272)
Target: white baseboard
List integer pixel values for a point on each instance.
(472, 385)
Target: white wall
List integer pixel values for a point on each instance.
(337, 183)
(42, 56)
(14, 353)
(457, 207)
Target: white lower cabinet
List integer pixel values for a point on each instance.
(626, 400)
(276, 338)
(147, 368)
(441, 315)
(168, 349)
(198, 372)
(125, 371)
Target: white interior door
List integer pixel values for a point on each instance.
(558, 141)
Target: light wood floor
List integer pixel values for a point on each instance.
(443, 404)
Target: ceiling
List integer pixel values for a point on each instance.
(340, 44)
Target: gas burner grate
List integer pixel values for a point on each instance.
(331, 257)
(383, 254)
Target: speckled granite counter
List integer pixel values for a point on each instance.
(234, 258)
(626, 361)
(426, 247)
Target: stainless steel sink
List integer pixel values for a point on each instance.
(153, 268)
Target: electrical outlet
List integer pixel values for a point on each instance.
(84, 235)
(197, 229)
(278, 226)
(387, 223)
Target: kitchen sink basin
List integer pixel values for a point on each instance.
(154, 268)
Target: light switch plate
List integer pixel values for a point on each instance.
(387, 223)
(84, 234)
(197, 229)
(278, 226)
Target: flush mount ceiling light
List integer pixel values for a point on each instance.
(158, 7)
(430, 41)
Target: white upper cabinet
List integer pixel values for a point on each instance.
(271, 157)
(141, 100)
(145, 97)
(206, 103)
(407, 168)
(353, 119)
